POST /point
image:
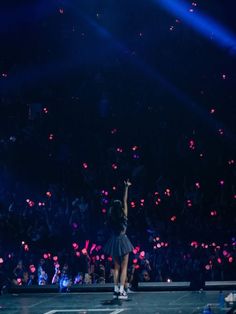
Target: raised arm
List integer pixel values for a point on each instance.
(125, 198)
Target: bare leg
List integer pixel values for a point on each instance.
(116, 270)
(124, 266)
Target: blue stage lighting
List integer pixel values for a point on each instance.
(201, 23)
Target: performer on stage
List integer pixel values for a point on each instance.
(119, 246)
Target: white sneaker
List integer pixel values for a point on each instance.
(123, 295)
(231, 298)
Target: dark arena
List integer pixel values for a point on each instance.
(117, 156)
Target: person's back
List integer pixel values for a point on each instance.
(118, 224)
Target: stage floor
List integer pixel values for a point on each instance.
(102, 302)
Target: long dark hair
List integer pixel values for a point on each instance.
(116, 215)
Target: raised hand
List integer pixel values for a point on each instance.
(127, 183)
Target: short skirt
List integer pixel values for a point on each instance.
(118, 245)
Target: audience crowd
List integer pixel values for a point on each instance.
(56, 188)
